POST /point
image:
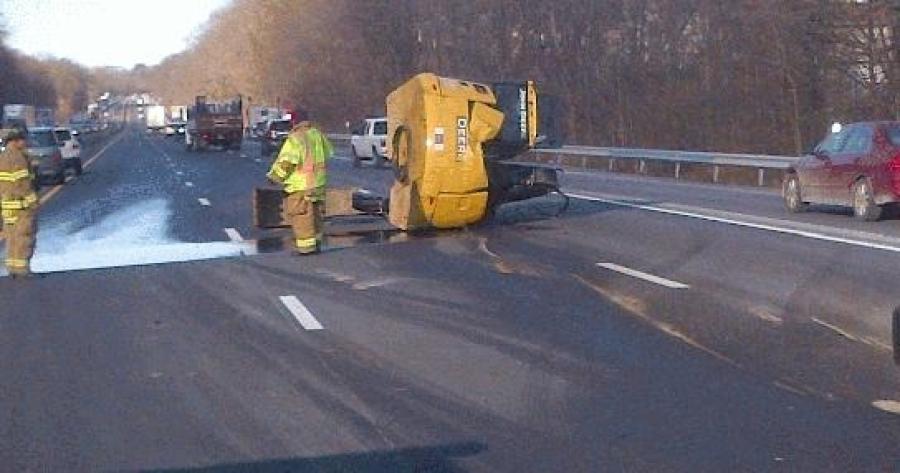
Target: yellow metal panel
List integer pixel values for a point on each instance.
(436, 130)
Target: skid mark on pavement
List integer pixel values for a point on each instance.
(851, 336)
(638, 308)
(381, 282)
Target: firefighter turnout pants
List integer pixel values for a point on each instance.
(306, 217)
(20, 227)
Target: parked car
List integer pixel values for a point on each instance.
(276, 132)
(368, 141)
(46, 156)
(856, 166)
(70, 148)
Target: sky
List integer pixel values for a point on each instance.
(105, 32)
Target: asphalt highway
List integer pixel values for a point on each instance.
(655, 326)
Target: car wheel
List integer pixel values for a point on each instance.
(793, 197)
(60, 177)
(78, 168)
(357, 163)
(863, 199)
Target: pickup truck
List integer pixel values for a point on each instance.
(368, 141)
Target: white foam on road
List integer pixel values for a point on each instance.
(135, 236)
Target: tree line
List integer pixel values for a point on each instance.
(764, 76)
(55, 83)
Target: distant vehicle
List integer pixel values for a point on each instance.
(156, 118)
(19, 116)
(177, 113)
(176, 128)
(46, 156)
(259, 117)
(369, 140)
(276, 132)
(45, 117)
(70, 149)
(214, 124)
(856, 166)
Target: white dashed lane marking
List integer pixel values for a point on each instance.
(204, 202)
(234, 235)
(643, 276)
(301, 314)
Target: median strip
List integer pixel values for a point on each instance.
(301, 314)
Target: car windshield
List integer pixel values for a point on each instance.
(380, 128)
(63, 136)
(41, 139)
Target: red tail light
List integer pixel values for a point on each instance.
(57, 157)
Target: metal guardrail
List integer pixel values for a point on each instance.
(723, 159)
(566, 155)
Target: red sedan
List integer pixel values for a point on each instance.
(857, 166)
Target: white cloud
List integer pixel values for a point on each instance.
(105, 32)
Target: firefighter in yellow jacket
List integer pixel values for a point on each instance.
(18, 204)
(300, 168)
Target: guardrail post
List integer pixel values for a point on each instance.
(612, 164)
(677, 170)
(642, 167)
(762, 177)
(716, 174)
(584, 162)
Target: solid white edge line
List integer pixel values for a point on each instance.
(234, 235)
(644, 276)
(303, 316)
(728, 221)
(204, 202)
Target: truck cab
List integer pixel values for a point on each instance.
(368, 141)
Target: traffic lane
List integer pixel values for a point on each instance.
(766, 203)
(791, 308)
(136, 192)
(90, 147)
(227, 180)
(223, 179)
(425, 344)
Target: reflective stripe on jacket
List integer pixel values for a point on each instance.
(16, 191)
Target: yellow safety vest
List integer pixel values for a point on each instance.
(301, 163)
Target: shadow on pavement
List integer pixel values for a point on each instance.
(439, 459)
